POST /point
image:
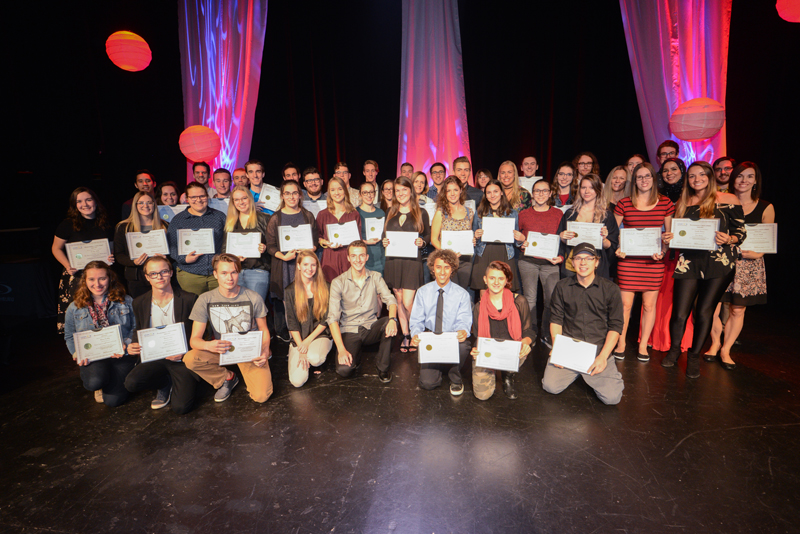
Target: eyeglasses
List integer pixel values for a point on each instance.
(563, 174)
(668, 154)
(197, 198)
(726, 169)
(312, 180)
(159, 274)
(291, 193)
(582, 259)
(585, 164)
(541, 191)
(341, 173)
(368, 193)
(437, 173)
(645, 177)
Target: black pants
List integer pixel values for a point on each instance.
(430, 374)
(155, 375)
(708, 293)
(108, 375)
(353, 343)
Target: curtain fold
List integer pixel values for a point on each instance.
(678, 50)
(222, 43)
(433, 109)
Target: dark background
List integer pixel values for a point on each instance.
(549, 79)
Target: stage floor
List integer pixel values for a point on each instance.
(716, 454)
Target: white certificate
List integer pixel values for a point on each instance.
(269, 198)
(431, 209)
(401, 245)
(244, 347)
(82, 252)
(219, 204)
(694, 235)
(168, 212)
(585, 233)
(499, 354)
(459, 241)
(640, 241)
(200, 241)
(762, 238)
(315, 206)
(297, 237)
(573, 354)
(527, 183)
(343, 233)
(98, 344)
(497, 229)
(374, 227)
(542, 245)
(438, 348)
(150, 243)
(162, 342)
(243, 244)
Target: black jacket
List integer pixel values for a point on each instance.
(182, 306)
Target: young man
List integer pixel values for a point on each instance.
(290, 172)
(195, 270)
(462, 169)
(255, 174)
(438, 174)
(162, 306)
(341, 170)
(222, 183)
(442, 306)
(240, 178)
(407, 170)
(667, 149)
(352, 316)
(529, 167)
(201, 172)
(722, 170)
(588, 308)
(313, 185)
(145, 184)
(371, 176)
(229, 308)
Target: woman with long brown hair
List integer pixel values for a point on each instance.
(143, 218)
(339, 211)
(452, 215)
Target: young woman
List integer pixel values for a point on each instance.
(167, 194)
(749, 286)
(100, 301)
(589, 207)
(483, 177)
(404, 275)
(243, 218)
(561, 185)
(645, 208)
(518, 197)
(633, 161)
(500, 314)
(307, 318)
(702, 276)
(542, 217)
(452, 215)
(670, 178)
(86, 221)
(339, 211)
(617, 186)
(420, 181)
(367, 210)
(494, 204)
(387, 195)
(143, 218)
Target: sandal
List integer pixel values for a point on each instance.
(410, 347)
(404, 348)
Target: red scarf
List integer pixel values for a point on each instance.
(509, 313)
(99, 312)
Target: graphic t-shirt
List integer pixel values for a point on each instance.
(227, 315)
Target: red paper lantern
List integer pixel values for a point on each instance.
(789, 10)
(128, 51)
(697, 119)
(200, 143)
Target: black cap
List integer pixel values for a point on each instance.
(584, 248)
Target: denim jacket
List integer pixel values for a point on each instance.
(79, 320)
(480, 246)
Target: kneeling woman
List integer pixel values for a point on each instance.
(500, 314)
(100, 301)
(306, 317)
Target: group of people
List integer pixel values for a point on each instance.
(353, 295)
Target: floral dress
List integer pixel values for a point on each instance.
(749, 286)
(697, 264)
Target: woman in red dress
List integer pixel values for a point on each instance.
(339, 211)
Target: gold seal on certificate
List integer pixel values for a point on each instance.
(150, 243)
(99, 344)
(402, 244)
(295, 237)
(694, 235)
(168, 212)
(543, 246)
(245, 347)
(459, 241)
(438, 348)
(585, 233)
(497, 229)
(200, 241)
(344, 233)
(499, 354)
(82, 252)
(269, 198)
(374, 227)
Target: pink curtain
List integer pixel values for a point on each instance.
(678, 51)
(433, 110)
(221, 43)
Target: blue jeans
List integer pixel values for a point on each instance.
(256, 280)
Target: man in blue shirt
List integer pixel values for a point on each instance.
(438, 174)
(442, 306)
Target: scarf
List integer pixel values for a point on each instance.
(672, 191)
(509, 313)
(99, 312)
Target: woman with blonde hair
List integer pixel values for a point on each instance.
(617, 186)
(307, 318)
(518, 197)
(339, 211)
(243, 218)
(143, 218)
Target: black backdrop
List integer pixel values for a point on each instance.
(550, 79)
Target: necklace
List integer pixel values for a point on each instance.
(165, 307)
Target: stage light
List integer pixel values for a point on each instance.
(200, 143)
(128, 51)
(789, 10)
(697, 119)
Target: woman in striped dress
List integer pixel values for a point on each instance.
(645, 208)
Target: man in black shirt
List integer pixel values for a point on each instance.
(587, 308)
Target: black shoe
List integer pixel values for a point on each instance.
(711, 358)
(508, 384)
(643, 357)
(618, 355)
(385, 376)
(727, 366)
(671, 357)
(692, 365)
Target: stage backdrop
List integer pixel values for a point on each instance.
(221, 48)
(433, 109)
(678, 51)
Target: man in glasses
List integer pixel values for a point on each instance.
(667, 149)
(722, 170)
(195, 274)
(313, 185)
(341, 170)
(438, 174)
(163, 305)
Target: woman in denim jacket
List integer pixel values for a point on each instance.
(100, 301)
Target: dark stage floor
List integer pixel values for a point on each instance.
(717, 454)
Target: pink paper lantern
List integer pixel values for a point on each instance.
(697, 119)
(200, 143)
(128, 51)
(789, 10)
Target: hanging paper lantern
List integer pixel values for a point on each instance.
(789, 10)
(128, 51)
(697, 119)
(200, 143)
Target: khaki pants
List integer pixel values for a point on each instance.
(196, 283)
(484, 380)
(206, 364)
(317, 352)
